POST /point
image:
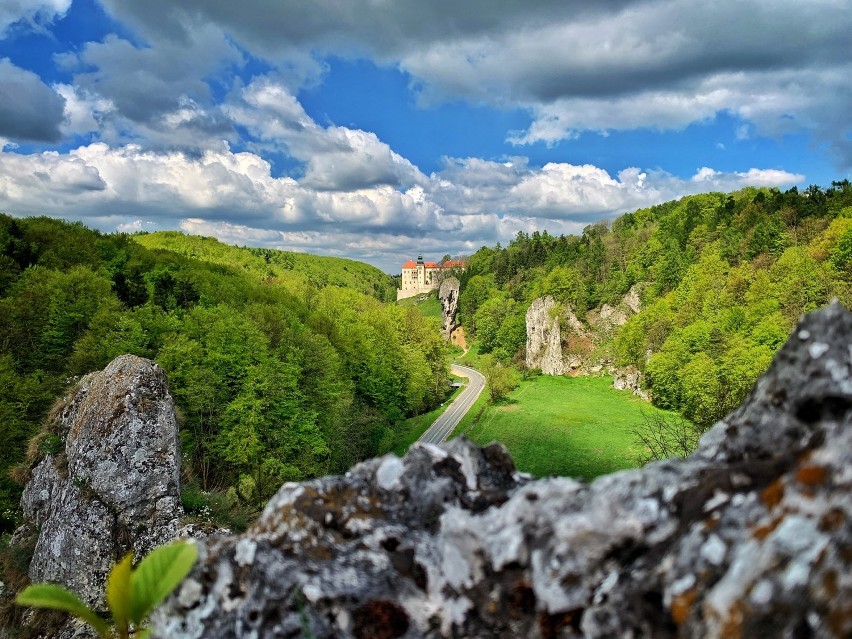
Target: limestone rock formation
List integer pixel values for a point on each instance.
(449, 296)
(549, 348)
(544, 337)
(749, 537)
(606, 320)
(630, 378)
(114, 484)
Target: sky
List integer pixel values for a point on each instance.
(380, 129)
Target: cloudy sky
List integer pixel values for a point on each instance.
(375, 129)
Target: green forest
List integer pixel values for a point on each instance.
(723, 279)
(283, 366)
(287, 366)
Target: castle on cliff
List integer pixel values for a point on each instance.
(422, 277)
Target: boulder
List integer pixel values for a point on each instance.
(113, 485)
(749, 537)
(449, 296)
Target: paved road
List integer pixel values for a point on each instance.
(449, 419)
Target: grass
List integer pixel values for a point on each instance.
(576, 427)
(473, 357)
(430, 307)
(413, 427)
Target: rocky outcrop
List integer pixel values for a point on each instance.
(549, 348)
(113, 484)
(749, 537)
(544, 337)
(630, 378)
(606, 320)
(449, 296)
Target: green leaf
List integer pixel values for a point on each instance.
(158, 575)
(118, 593)
(58, 598)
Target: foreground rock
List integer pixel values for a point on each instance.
(112, 484)
(448, 294)
(750, 537)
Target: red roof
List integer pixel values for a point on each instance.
(447, 264)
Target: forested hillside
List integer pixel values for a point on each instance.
(277, 377)
(295, 270)
(723, 279)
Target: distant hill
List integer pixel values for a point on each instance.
(722, 279)
(293, 269)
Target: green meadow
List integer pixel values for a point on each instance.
(576, 427)
(430, 307)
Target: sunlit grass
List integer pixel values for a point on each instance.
(577, 427)
(430, 307)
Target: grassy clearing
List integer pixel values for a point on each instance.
(430, 307)
(577, 427)
(472, 358)
(413, 427)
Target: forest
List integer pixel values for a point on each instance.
(283, 366)
(723, 278)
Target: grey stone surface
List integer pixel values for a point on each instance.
(749, 537)
(448, 293)
(114, 486)
(544, 337)
(630, 378)
(549, 325)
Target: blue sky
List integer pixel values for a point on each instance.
(375, 129)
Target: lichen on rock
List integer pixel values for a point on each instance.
(115, 484)
(749, 537)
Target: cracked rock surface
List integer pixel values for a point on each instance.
(448, 294)
(749, 537)
(114, 484)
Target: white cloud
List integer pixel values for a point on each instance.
(335, 158)
(32, 13)
(144, 82)
(234, 196)
(84, 111)
(589, 65)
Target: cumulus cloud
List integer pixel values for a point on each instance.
(33, 14)
(385, 29)
(85, 112)
(589, 65)
(29, 109)
(235, 196)
(145, 82)
(335, 158)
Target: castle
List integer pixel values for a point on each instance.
(422, 277)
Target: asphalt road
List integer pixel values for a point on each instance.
(449, 419)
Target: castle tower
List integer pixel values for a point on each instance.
(421, 272)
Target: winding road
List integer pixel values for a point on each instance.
(442, 427)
